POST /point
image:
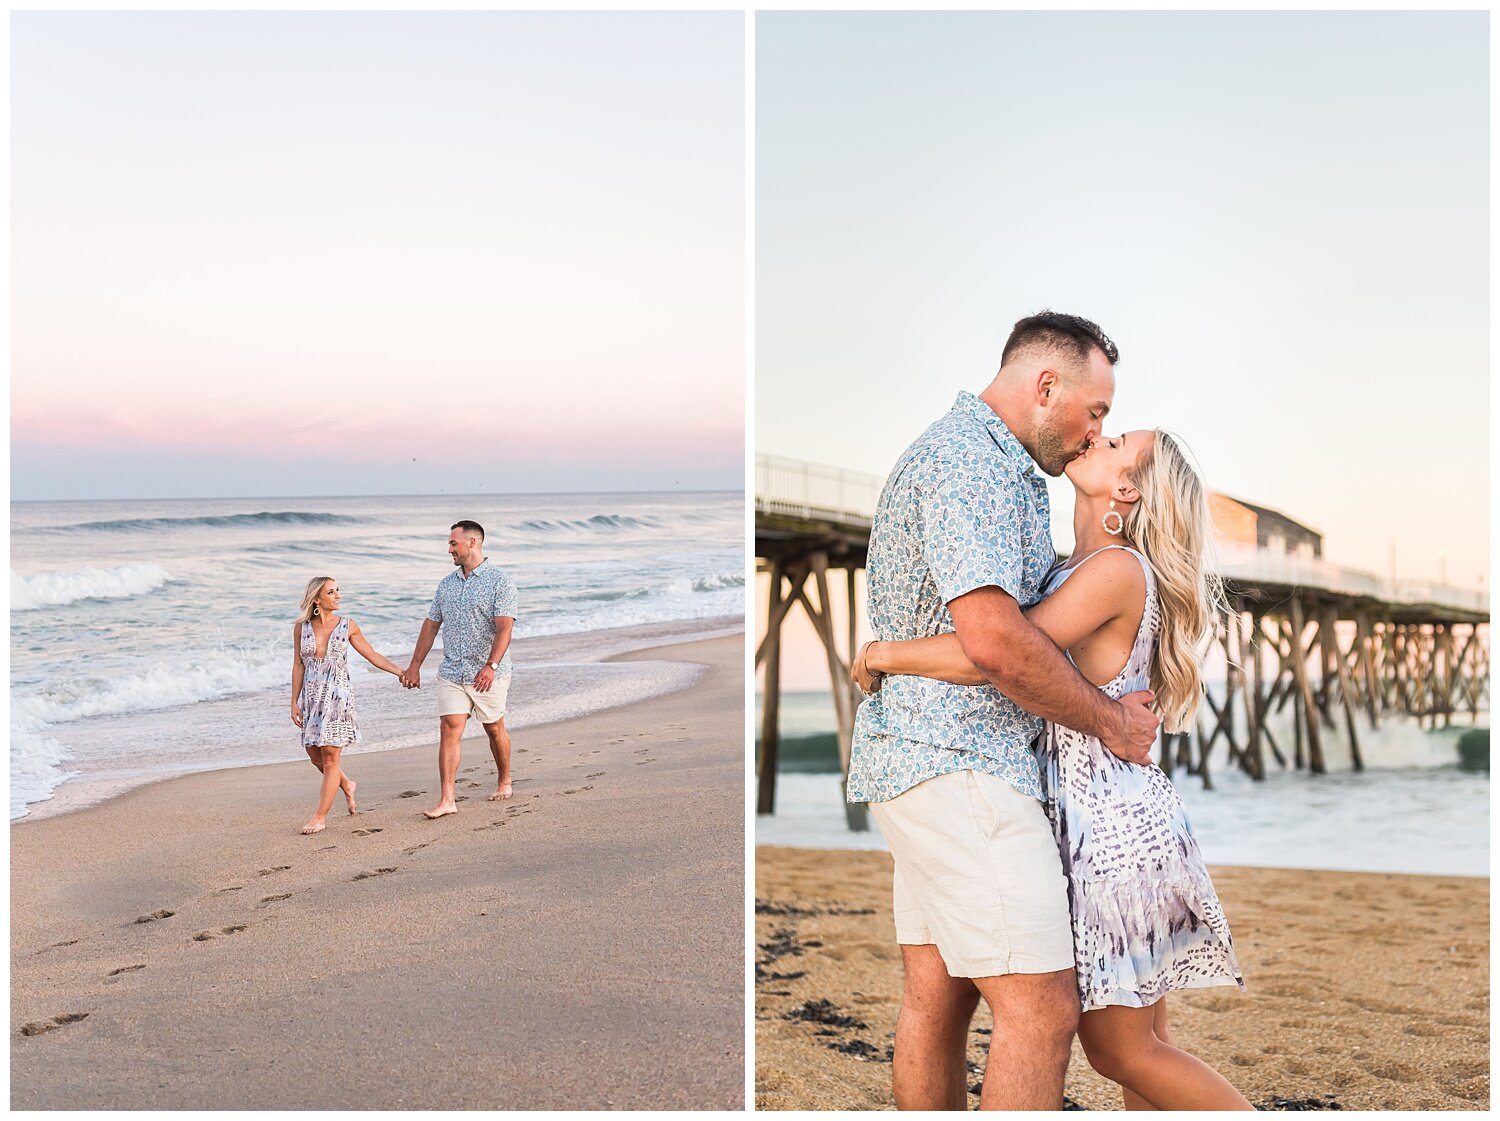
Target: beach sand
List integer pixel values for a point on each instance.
(1366, 991)
(580, 946)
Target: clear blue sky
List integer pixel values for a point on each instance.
(1282, 219)
(376, 252)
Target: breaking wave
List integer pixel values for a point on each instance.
(58, 589)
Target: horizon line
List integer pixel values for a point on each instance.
(414, 494)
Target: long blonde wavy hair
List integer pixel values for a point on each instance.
(314, 590)
(1172, 526)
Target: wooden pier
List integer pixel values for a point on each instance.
(1336, 650)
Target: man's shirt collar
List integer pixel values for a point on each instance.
(971, 406)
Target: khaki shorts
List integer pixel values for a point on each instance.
(978, 876)
(465, 700)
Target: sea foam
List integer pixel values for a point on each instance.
(58, 589)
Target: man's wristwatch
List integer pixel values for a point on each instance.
(495, 666)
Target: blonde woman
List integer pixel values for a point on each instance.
(322, 697)
(1132, 607)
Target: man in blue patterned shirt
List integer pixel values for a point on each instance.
(475, 608)
(961, 543)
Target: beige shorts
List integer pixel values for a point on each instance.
(978, 876)
(465, 700)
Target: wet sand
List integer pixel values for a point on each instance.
(1366, 991)
(579, 946)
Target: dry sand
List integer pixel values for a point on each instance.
(580, 946)
(1367, 991)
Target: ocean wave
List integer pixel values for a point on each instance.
(58, 589)
(685, 586)
(216, 521)
(719, 581)
(163, 687)
(599, 522)
(36, 766)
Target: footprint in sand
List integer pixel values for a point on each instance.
(37, 1027)
(205, 935)
(278, 868)
(643, 762)
(641, 750)
(155, 915)
(596, 774)
(414, 848)
(411, 794)
(372, 875)
(275, 898)
(366, 832)
(58, 945)
(125, 969)
(222, 890)
(471, 784)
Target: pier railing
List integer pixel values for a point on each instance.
(799, 489)
(794, 488)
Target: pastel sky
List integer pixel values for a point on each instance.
(1281, 218)
(353, 252)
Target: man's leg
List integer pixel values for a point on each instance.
(450, 734)
(500, 749)
(1035, 1015)
(929, 1069)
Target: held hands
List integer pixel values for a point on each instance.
(1137, 733)
(868, 680)
(412, 678)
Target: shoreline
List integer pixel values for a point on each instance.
(1365, 990)
(616, 644)
(579, 946)
(1425, 820)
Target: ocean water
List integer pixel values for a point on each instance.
(154, 638)
(1411, 810)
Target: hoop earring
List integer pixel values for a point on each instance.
(1119, 526)
(315, 606)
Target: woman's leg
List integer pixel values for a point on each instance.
(1162, 1032)
(1122, 1044)
(346, 784)
(331, 776)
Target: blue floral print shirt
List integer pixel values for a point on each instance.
(964, 508)
(467, 609)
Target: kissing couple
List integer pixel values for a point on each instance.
(1042, 862)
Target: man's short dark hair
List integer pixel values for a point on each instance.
(469, 527)
(1052, 330)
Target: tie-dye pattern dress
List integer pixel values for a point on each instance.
(327, 696)
(1146, 919)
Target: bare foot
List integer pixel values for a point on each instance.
(349, 788)
(442, 809)
(316, 825)
(502, 792)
